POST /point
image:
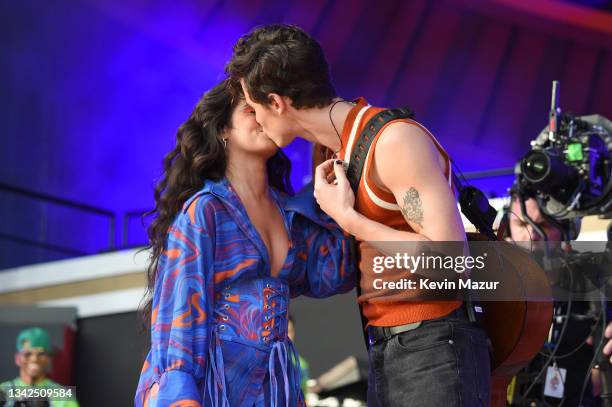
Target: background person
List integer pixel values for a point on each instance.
(33, 358)
(572, 356)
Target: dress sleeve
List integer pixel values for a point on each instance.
(327, 258)
(174, 370)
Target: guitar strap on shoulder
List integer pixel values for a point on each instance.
(355, 171)
(365, 139)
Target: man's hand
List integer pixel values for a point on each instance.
(607, 349)
(334, 196)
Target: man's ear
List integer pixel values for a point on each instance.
(278, 103)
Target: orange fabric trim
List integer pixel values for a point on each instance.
(201, 316)
(222, 275)
(186, 403)
(173, 253)
(191, 210)
(400, 313)
(348, 124)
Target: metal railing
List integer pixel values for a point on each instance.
(125, 227)
(47, 198)
(42, 245)
(127, 217)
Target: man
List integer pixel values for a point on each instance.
(523, 233)
(607, 349)
(572, 360)
(33, 359)
(422, 353)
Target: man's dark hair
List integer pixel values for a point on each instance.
(282, 59)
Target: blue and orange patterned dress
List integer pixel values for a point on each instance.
(219, 319)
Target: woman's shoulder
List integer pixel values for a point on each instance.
(201, 200)
(201, 207)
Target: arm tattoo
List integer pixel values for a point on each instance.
(413, 207)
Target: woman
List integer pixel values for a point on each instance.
(229, 249)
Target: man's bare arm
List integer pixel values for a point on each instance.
(407, 164)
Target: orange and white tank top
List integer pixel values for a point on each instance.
(380, 205)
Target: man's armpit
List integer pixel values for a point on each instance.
(412, 207)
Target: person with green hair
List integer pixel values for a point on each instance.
(33, 358)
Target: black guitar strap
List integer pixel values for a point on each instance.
(365, 139)
(354, 174)
(355, 171)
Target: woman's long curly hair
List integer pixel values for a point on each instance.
(199, 155)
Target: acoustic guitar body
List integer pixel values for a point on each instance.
(517, 329)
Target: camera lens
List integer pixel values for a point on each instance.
(536, 166)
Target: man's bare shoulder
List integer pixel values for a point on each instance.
(407, 146)
(405, 138)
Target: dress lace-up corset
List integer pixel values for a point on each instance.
(253, 310)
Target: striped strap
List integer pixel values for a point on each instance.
(358, 155)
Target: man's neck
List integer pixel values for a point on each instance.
(319, 128)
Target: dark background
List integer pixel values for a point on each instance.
(94, 90)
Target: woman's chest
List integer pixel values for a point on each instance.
(270, 227)
(241, 251)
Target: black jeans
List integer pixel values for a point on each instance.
(442, 363)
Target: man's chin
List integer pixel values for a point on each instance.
(275, 141)
(35, 372)
(281, 141)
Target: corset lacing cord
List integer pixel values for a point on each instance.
(216, 376)
(283, 349)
